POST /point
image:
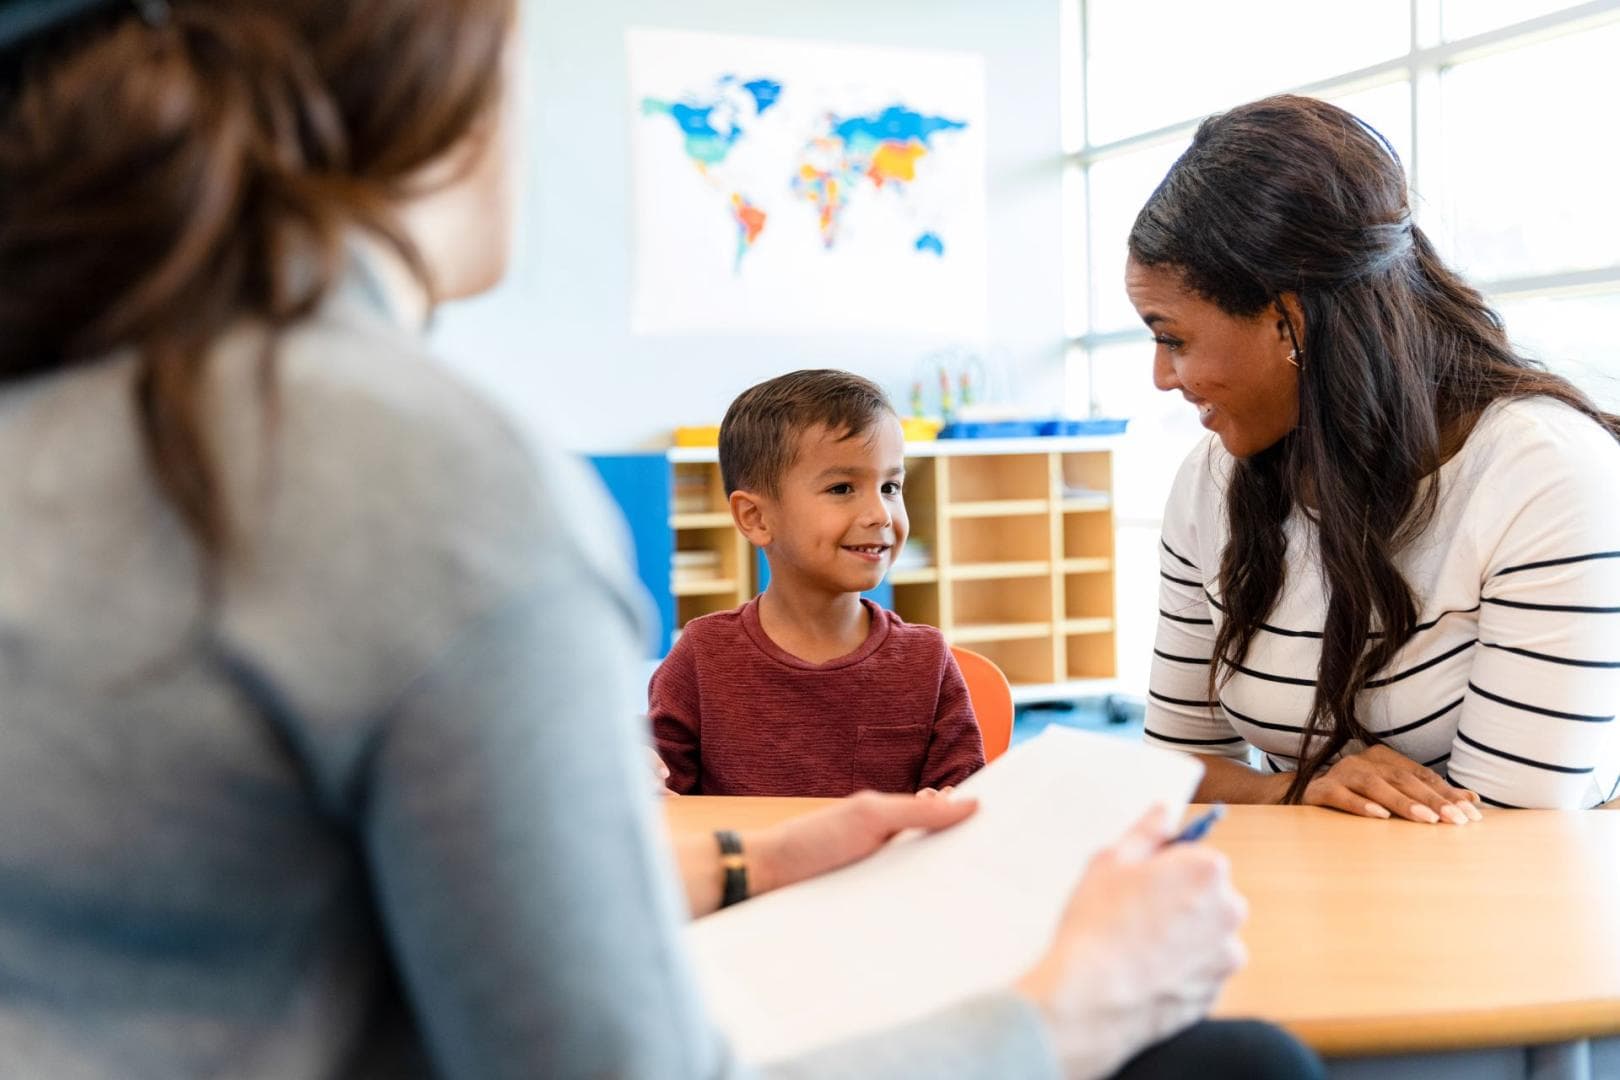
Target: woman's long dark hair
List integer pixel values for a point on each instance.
(163, 178)
(1291, 195)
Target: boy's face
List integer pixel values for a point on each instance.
(839, 518)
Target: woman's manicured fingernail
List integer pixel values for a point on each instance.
(1423, 813)
(1472, 811)
(1454, 814)
(1375, 810)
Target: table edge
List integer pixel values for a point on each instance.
(1469, 1029)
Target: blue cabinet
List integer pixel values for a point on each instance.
(688, 553)
(640, 484)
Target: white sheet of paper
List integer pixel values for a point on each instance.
(931, 920)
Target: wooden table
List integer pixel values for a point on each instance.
(1385, 937)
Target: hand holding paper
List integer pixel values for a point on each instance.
(932, 920)
(845, 832)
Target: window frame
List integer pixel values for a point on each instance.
(1428, 56)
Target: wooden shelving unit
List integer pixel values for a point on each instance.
(700, 519)
(1022, 535)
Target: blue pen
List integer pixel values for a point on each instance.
(1198, 826)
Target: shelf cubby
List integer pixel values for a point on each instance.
(1089, 655)
(988, 478)
(1088, 595)
(1023, 660)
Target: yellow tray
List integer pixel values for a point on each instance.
(705, 435)
(919, 428)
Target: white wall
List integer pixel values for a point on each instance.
(554, 345)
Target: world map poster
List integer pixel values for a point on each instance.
(786, 187)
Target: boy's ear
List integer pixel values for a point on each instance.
(748, 511)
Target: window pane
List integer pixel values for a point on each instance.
(1076, 294)
(1462, 18)
(1388, 110)
(1574, 336)
(1529, 169)
(1154, 62)
(1163, 427)
(1119, 186)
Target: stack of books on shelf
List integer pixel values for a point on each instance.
(690, 566)
(691, 492)
(1076, 497)
(914, 556)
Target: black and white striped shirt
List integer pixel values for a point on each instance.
(1512, 682)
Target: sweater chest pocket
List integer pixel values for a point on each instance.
(889, 757)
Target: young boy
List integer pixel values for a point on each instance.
(809, 689)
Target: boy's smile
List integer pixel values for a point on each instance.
(876, 552)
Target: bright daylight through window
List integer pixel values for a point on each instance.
(1503, 112)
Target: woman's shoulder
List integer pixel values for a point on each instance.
(1202, 478)
(1538, 435)
(371, 480)
(1534, 479)
(363, 419)
(366, 437)
(351, 360)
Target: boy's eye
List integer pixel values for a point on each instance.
(1168, 342)
(891, 487)
(840, 489)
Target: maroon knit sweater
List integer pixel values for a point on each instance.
(735, 715)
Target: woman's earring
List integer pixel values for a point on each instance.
(1293, 357)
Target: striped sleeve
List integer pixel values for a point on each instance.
(1181, 713)
(1538, 725)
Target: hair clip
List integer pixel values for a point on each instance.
(154, 13)
(24, 21)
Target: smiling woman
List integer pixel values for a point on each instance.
(1397, 569)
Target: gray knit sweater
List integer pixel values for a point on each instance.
(379, 808)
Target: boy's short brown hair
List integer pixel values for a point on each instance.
(760, 433)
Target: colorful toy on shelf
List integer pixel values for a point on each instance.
(963, 380)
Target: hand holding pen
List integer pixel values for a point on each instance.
(1198, 826)
(1147, 941)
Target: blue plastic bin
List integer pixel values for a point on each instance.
(1029, 429)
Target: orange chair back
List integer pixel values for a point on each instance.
(991, 695)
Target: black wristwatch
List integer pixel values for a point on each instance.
(735, 864)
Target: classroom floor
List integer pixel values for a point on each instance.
(1087, 714)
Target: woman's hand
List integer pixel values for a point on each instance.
(1378, 782)
(1148, 939)
(848, 831)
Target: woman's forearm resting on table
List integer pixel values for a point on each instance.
(1376, 782)
(1230, 781)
